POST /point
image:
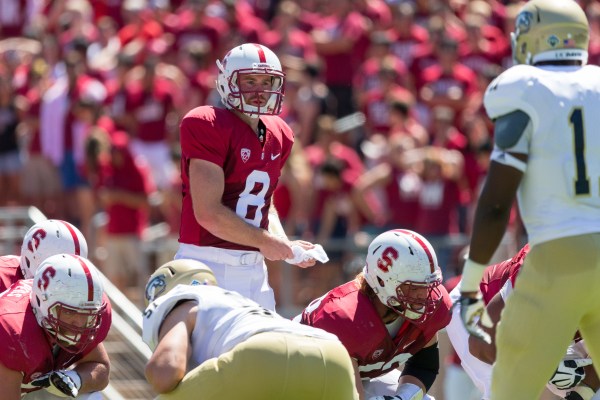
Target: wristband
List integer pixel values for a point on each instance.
(471, 276)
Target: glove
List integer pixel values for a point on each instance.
(62, 383)
(581, 392)
(569, 373)
(406, 391)
(471, 310)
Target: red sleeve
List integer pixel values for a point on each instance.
(200, 139)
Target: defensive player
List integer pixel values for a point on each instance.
(231, 163)
(477, 356)
(51, 330)
(213, 344)
(545, 112)
(389, 316)
(42, 240)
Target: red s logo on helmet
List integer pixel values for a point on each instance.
(45, 279)
(387, 258)
(36, 238)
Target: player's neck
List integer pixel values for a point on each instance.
(252, 122)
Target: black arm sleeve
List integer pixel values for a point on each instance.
(424, 365)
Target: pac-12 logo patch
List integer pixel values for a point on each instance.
(245, 153)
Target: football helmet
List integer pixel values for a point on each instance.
(550, 30)
(67, 300)
(173, 273)
(402, 269)
(250, 58)
(48, 238)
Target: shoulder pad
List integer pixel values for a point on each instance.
(507, 92)
(156, 312)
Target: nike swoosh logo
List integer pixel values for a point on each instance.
(273, 157)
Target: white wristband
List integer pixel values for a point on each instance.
(471, 276)
(409, 391)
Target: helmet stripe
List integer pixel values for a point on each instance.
(261, 53)
(423, 245)
(88, 276)
(74, 236)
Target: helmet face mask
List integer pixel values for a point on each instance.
(402, 269)
(48, 238)
(177, 272)
(250, 59)
(550, 30)
(67, 300)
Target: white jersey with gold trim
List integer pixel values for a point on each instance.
(559, 195)
(225, 319)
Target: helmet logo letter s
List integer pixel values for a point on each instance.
(36, 238)
(388, 256)
(45, 278)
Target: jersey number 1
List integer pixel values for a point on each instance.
(582, 183)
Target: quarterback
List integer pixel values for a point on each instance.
(546, 152)
(231, 162)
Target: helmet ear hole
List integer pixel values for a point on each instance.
(27, 262)
(380, 281)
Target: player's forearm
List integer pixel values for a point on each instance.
(488, 229)
(227, 225)
(94, 376)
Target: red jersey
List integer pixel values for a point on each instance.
(26, 347)
(10, 271)
(350, 314)
(251, 169)
(495, 276)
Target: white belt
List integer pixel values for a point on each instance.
(217, 255)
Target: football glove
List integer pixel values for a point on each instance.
(471, 311)
(569, 373)
(581, 392)
(62, 383)
(406, 391)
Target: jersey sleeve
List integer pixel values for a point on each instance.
(511, 91)
(158, 310)
(200, 138)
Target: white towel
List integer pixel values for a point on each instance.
(301, 255)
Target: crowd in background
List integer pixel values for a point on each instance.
(384, 97)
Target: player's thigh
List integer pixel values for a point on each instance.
(540, 318)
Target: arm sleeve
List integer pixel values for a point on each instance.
(424, 365)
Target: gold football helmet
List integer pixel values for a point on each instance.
(173, 273)
(550, 30)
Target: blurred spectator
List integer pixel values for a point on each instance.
(341, 38)
(11, 114)
(448, 82)
(285, 37)
(398, 186)
(40, 180)
(439, 197)
(123, 193)
(16, 16)
(149, 108)
(71, 105)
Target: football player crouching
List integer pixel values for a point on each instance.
(215, 342)
(51, 329)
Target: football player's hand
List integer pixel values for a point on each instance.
(472, 309)
(62, 383)
(569, 373)
(581, 392)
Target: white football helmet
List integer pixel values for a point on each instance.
(48, 238)
(176, 272)
(403, 271)
(550, 30)
(250, 58)
(67, 300)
